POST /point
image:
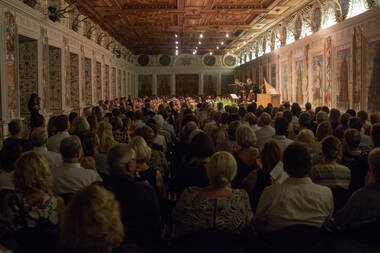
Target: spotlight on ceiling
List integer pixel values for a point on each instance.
(201, 35)
(227, 35)
(222, 43)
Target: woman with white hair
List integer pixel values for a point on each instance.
(216, 206)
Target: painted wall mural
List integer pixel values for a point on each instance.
(74, 80)
(226, 83)
(163, 85)
(357, 67)
(67, 78)
(284, 82)
(209, 85)
(328, 69)
(28, 72)
(290, 77)
(187, 84)
(87, 81)
(107, 82)
(306, 73)
(11, 43)
(373, 75)
(99, 92)
(273, 75)
(317, 80)
(113, 83)
(145, 85)
(299, 81)
(124, 84)
(55, 78)
(343, 77)
(45, 74)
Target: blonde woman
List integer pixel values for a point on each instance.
(105, 137)
(100, 232)
(145, 172)
(216, 206)
(33, 204)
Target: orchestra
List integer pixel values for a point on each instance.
(247, 92)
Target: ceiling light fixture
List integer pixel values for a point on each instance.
(210, 53)
(176, 42)
(217, 47)
(201, 35)
(227, 35)
(176, 47)
(176, 35)
(199, 42)
(222, 43)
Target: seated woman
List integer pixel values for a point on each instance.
(246, 157)
(217, 206)
(230, 144)
(355, 159)
(91, 148)
(100, 232)
(34, 203)
(9, 154)
(364, 204)
(145, 172)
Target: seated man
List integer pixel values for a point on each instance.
(366, 143)
(364, 204)
(62, 125)
(266, 132)
(72, 177)
(281, 126)
(297, 200)
(16, 129)
(39, 140)
(142, 222)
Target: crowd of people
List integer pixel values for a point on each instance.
(140, 175)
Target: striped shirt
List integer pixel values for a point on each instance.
(331, 175)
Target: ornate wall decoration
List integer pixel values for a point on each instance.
(165, 60)
(28, 72)
(113, 83)
(209, 85)
(290, 79)
(83, 76)
(67, 78)
(373, 74)
(341, 9)
(98, 72)
(300, 68)
(306, 73)
(273, 39)
(209, 60)
(187, 84)
(107, 82)
(343, 59)
(10, 40)
(143, 60)
(283, 35)
(74, 80)
(297, 27)
(284, 82)
(357, 67)
(145, 87)
(45, 60)
(55, 78)
(316, 17)
(87, 81)
(229, 60)
(264, 44)
(118, 84)
(163, 85)
(317, 70)
(328, 69)
(124, 84)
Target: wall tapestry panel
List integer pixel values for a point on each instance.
(273, 74)
(373, 75)
(28, 72)
(284, 82)
(187, 84)
(163, 85)
(299, 81)
(145, 85)
(107, 82)
(55, 82)
(209, 85)
(74, 73)
(99, 81)
(88, 81)
(113, 84)
(227, 81)
(343, 78)
(317, 75)
(118, 95)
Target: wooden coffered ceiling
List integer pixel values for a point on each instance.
(149, 26)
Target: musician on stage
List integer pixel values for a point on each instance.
(239, 89)
(253, 88)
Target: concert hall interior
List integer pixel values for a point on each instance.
(189, 125)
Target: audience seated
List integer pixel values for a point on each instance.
(39, 140)
(376, 135)
(100, 232)
(297, 200)
(16, 130)
(266, 132)
(140, 211)
(72, 177)
(216, 206)
(281, 128)
(364, 205)
(366, 143)
(9, 154)
(91, 147)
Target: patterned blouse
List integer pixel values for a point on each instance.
(195, 212)
(25, 215)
